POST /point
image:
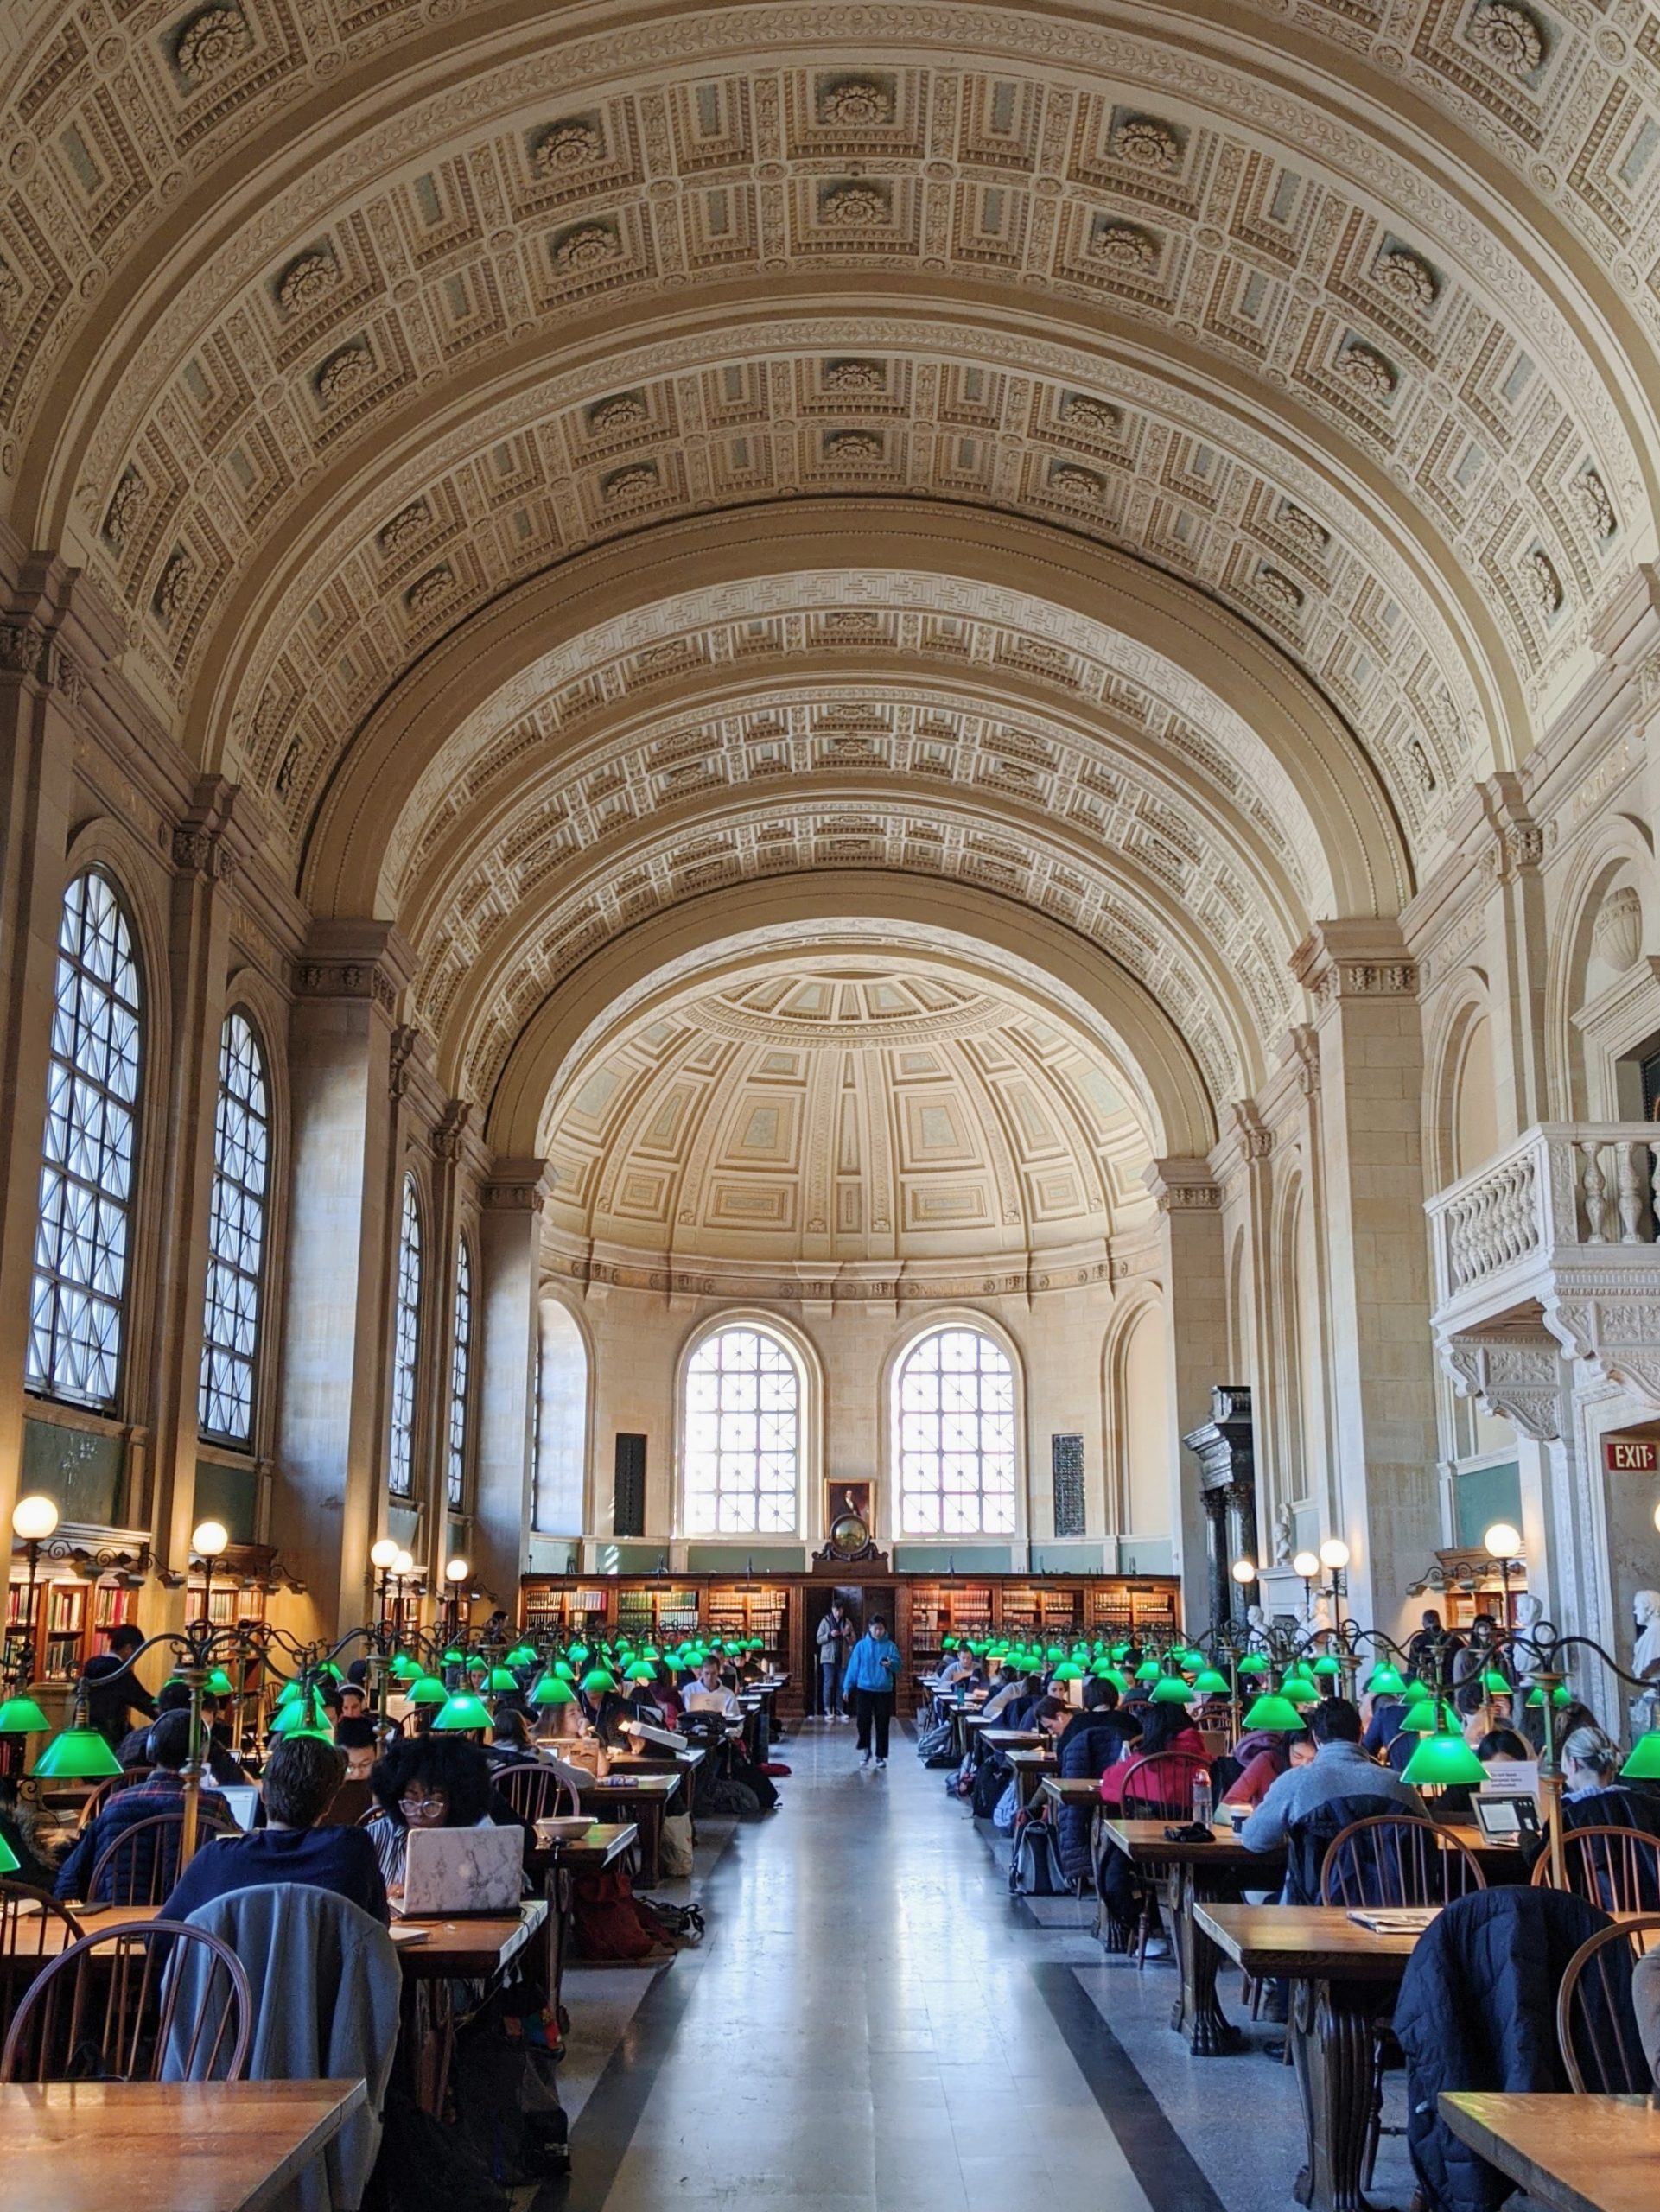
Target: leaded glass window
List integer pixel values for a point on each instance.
(955, 1412)
(82, 1239)
(406, 1344)
(459, 1366)
(742, 1436)
(236, 1237)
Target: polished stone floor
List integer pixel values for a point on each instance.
(873, 2025)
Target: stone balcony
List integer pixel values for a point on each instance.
(1548, 1251)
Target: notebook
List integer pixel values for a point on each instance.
(452, 1873)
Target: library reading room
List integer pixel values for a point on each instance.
(830, 1105)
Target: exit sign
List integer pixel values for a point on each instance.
(1623, 1456)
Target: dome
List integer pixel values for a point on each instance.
(844, 1112)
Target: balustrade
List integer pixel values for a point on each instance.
(1560, 1185)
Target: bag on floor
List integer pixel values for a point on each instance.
(506, 2092)
(679, 1924)
(425, 2166)
(990, 1780)
(932, 1741)
(1006, 1810)
(604, 1924)
(1032, 1870)
(674, 1853)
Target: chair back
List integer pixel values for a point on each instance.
(106, 2009)
(1161, 1788)
(1596, 2021)
(1616, 1868)
(1396, 1859)
(534, 1791)
(100, 1797)
(141, 1865)
(33, 1927)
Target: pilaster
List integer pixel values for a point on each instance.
(1508, 845)
(505, 1303)
(1189, 1203)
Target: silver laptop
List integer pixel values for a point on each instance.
(450, 1874)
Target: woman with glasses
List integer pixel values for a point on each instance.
(426, 1782)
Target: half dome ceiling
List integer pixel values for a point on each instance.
(847, 1115)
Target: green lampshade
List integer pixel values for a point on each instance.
(428, 1690)
(21, 1716)
(290, 1691)
(1560, 1696)
(577, 1653)
(1327, 1665)
(523, 1655)
(1148, 1671)
(501, 1682)
(1644, 1764)
(1273, 1711)
(1103, 1670)
(598, 1681)
(1254, 1663)
(1191, 1662)
(300, 1717)
(78, 1755)
(1302, 1689)
(9, 1862)
(1068, 1671)
(641, 1671)
(1385, 1680)
(1441, 1760)
(1118, 1678)
(1414, 1689)
(405, 1669)
(452, 1658)
(1495, 1684)
(219, 1684)
(1427, 1717)
(313, 1728)
(1170, 1689)
(462, 1711)
(333, 1672)
(563, 1668)
(552, 1690)
(1118, 1654)
(1210, 1681)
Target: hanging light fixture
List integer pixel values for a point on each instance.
(1442, 1759)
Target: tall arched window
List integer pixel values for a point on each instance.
(406, 1344)
(461, 1358)
(236, 1237)
(954, 1418)
(83, 1239)
(742, 1449)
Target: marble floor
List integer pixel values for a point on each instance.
(872, 2025)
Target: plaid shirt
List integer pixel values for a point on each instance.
(160, 1792)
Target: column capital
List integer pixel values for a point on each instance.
(1365, 957)
(1182, 1185)
(221, 828)
(355, 960)
(1504, 839)
(517, 1186)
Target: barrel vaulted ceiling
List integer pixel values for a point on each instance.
(1243, 412)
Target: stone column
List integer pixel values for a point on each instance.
(1196, 1307)
(1375, 1255)
(54, 636)
(506, 1302)
(208, 846)
(330, 1502)
(1509, 845)
(449, 1138)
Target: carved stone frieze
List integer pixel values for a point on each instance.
(345, 979)
(1516, 1378)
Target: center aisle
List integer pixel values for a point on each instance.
(867, 2025)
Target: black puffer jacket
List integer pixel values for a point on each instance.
(1478, 2011)
(1087, 1751)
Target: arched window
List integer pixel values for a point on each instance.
(406, 1344)
(742, 1453)
(460, 1371)
(83, 1240)
(954, 1413)
(236, 1237)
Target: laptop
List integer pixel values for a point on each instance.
(244, 1802)
(1504, 1818)
(457, 1873)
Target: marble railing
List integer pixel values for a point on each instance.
(1562, 1186)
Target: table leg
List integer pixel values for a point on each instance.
(1332, 2024)
(649, 1816)
(1195, 2013)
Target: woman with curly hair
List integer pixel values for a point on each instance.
(426, 1782)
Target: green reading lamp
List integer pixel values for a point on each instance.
(501, 1682)
(1560, 1696)
(1386, 1680)
(598, 1681)
(1327, 1665)
(1254, 1663)
(405, 1669)
(463, 1711)
(1427, 1717)
(1440, 1759)
(299, 1717)
(1068, 1671)
(21, 1716)
(1148, 1671)
(523, 1655)
(551, 1690)
(1495, 1684)
(79, 1754)
(641, 1671)
(1302, 1689)
(427, 1689)
(1210, 1681)
(1644, 1764)
(1275, 1713)
(1170, 1689)
(9, 1863)
(288, 1692)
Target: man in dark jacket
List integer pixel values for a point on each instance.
(159, 1792)
(109, 1709)
(301, 1780)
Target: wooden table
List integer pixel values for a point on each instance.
(1029, 1769)
(642, 1798)
(1576, 2154)
(1012, 1739)
(1189, 1872)
(166, 2146)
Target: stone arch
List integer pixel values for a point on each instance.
(1617, 866)
(1136, 1415)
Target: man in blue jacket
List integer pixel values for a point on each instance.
(873, 1671)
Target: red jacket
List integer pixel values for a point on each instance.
(1112, 1782)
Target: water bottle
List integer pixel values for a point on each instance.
(1204, 1807)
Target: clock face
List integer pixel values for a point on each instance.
(849, 1534)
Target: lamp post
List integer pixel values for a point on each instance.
(402, 1568)
(1334, 1555)
(382, 1556)
(1502, 1544)
(207, 1541)
(33, 1523)
(455, 1572)
(1305, 1567)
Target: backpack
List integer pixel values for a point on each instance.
(1032, 1871)
(988, 1786)
(503, 2081)
(933, 1742)
(1006, 1810)
(674, 1853)
(682, 1925)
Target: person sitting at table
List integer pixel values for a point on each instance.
(301, 1779)
(1100, 1728)
(1339, 1768)
(429, 1782)
(1454, 1801)
(354, 1701)
(355, 1736)
(1384, 1724)
(160, 1791)
(510, 1743)
(709, 1693)
(1165, 1728)
(219, 1761)
(1263, 1769)
(1594, 1794)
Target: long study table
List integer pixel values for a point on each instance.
(1575, 2154)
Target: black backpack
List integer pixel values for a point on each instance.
(1032, 1870)
(990, 1780)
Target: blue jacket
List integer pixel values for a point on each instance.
(872, 1666)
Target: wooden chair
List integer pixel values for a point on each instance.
(107, 2008)
(1159, 1788)
(534, 1791)
(143, 1862)
(33, 1927)
(1616, 1868)
(1396, 1859)
(1596, 2026)
(100, 1797)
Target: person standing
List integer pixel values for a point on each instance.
(835, 1633)
(873, 1672)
